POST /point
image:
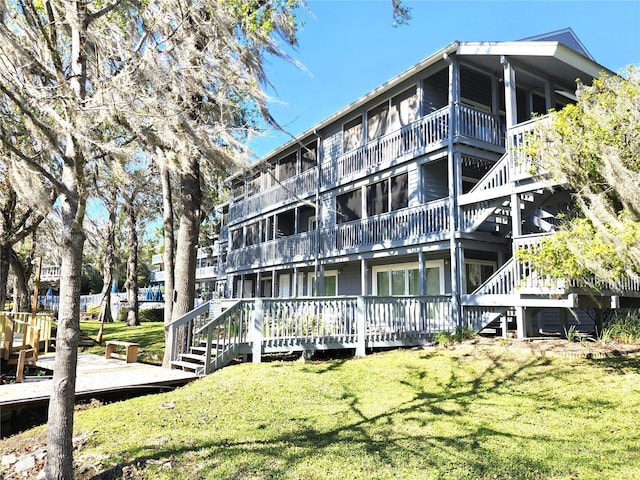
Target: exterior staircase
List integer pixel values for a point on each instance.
(214, 336)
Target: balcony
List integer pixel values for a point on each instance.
(424, 135)
(288, 190)
(293, 248)
(414, 224)
(427, 134)
(49, 274)
(423, 223)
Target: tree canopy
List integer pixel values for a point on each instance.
(593, 146)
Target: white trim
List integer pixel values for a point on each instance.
(327, 273)
(439, 264)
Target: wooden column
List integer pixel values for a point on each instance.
(511, 112)
(453, 173)
(510, 104)
(363, 277)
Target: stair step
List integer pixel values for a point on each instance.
(186, 365)
(194, 357)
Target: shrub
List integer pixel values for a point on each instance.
(443, 338)
(463, 334)
(151, 315)
(623, 328)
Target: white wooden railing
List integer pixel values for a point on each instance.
(474, 214)
(394, 318)
(49, 273)
(502, 282)
(280, 325)
(497, 177)
(274, 252)
(427, 132)
(479, 125)
(520, 138)
(289, 190)
(413, 223)
(532, 281)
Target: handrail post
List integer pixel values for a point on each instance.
(256, 333)
(361, 329)
(207, 353)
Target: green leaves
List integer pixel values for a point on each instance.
(595, 146)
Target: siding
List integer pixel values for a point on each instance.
(348, 279)
(331, 144)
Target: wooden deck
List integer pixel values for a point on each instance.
(95, 375)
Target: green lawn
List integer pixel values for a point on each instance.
(411, 414)
(150, 336)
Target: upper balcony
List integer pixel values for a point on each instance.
(299, 186)
(425, 135)
(429, 222)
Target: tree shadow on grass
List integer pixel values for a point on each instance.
(619, 365)
(386, 439)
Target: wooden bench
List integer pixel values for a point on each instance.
(131, 355)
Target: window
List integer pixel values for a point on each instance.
(377, 121)
(400, 191)
(252, 234)
(404, 109)
(309, 156)
(378, 199)
(349, 206)
(352, 135)
(306, 219)
(478, 272)
(287, 166)
(236, 238)
(404, 279)
(330, 284)
(286, 222)
(267, 229)
(284, 285)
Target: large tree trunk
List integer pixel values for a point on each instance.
(132, 265)
(4, 274)
(186, 251)
(59, 440)
(22, 274)
(109, 260)
(169, 249)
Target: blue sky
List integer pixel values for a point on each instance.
(349, 47)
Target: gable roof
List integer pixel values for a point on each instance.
(548, 51)
(567, 37)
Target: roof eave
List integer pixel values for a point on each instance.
(432, 59)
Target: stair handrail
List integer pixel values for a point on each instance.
(231, 341)
(504, 163)
(494, 282)
(173, 327)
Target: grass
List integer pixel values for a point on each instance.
(463, 413)
(149, 335)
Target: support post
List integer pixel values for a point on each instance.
(256, 331)
(361, 327)
(363, 277)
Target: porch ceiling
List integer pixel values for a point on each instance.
(537, 59)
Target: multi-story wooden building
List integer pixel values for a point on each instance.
(419, 188)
